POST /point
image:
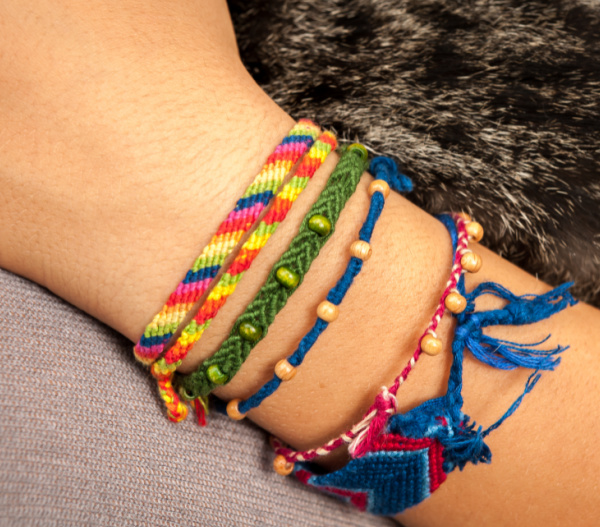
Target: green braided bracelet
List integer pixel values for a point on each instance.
(285, 277)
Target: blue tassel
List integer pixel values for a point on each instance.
(465, 446)
(506, 355)
(386, 169)
(519, 310)
(531, 382)
(524, 309)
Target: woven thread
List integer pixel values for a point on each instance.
(335, 296)
(385, 404)
(164, 367)
(254, 200)
(411, 457)
(272, 297)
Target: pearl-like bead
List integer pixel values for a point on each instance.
(455, 303)
(233, 411)
(319, 224)
(282, 466)
(327, 311)
(215, 375)
(464, 216)
(249, 332)
(475, 231)
(287, 278)
(284, 370)
(471, 262)
(361, 249)
(359, 150)
(431, 345)
(379, 185)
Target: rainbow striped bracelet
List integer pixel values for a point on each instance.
(206, 267)
(164, 368)
(254, 200)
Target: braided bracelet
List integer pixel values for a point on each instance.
(164, 368)
(256, 197)
(327, 310)
(385, 403)
(286, 275)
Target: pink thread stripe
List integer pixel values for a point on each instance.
(385, 403)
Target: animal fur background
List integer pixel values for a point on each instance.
(490, 106)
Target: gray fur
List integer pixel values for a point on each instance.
(492, 107)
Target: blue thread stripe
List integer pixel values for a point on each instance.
(201, 274)
(263, 197)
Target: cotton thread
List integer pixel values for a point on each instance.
(411, 457)
(337, 293)
(255, 198)
(385, 403)
(164, 367)
(273, 296)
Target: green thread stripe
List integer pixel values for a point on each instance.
(272, 297)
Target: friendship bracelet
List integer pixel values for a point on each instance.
(286, 275)
(413, 454)
(163, 368)
(258, 194)
(385, 403)
(327, 310)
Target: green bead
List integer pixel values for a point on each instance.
(249, 332)
(319, 224)
(215, 375)
(287, 277)
(360, 150)
(186, 395)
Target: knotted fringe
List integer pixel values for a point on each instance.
(465, 444)
(465, 447)
(519, 310)
(385, 168)
(468, 446)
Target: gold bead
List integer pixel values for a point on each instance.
(455, 303)
(361, 249)
(471, 262)
(233, 411)
(431, 345)
(284, 370)
(327, 311)
(381, 186)
(464, 216)
(475, 231)
(282, 466)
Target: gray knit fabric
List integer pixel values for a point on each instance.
(84, 441)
